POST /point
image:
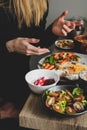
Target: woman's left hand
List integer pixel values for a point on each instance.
(62, 27)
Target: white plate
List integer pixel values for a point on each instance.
(63, 44)
(59, 72)
(72, 77)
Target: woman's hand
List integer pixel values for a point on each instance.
(61, 26)
(25, 46)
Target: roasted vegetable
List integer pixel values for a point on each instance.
(57, 108)
(50, 101)
(70, 110)
(78, 106)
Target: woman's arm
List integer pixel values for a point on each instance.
(60, 27)
(10, 40)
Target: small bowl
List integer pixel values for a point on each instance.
(36, 74)
(83, 76)
(65, 44)
(72, 77)
(82, 39)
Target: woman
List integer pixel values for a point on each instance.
(23, 33)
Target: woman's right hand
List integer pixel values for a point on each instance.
(25, 46)
(62, 27)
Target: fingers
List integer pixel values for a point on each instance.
(66, 29)
(64, 33)
(32, 50)
(38, 52)
(70, 25)
(31, 40)
(63, 14)
(78, 23)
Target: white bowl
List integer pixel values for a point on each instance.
(72, 77)
(65, 44)
(36, 74)
(83, 76)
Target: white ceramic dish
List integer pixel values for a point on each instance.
(72, 77)
(59, 88)
(83, 76)
(33, 75)
(65, 44)
(82, 56)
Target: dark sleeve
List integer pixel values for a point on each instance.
(3, 31)
(47, 38)
(3, 48)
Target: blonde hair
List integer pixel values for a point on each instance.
(28, 11)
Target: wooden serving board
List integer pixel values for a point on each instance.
(33, 115)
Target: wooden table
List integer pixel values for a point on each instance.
(34, 116)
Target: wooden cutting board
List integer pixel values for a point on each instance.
(33, 115)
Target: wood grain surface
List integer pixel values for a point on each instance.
(33, 115)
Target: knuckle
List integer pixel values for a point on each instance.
(26, 51)
(18, 38)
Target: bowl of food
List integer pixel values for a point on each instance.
(65, 44)
(82, 39)
(65, 100)
(39, 80)
(72, 76)
(83, 77)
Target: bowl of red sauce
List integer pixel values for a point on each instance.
(39, 80)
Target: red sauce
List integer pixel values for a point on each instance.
(44, 81)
